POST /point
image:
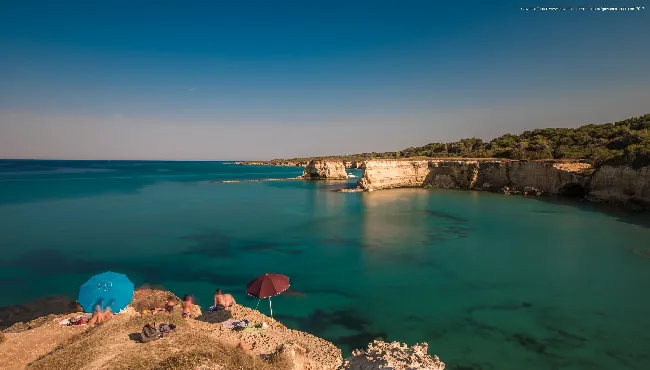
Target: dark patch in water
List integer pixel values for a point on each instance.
(570, 336)
(218, 245)
(359, 341)
(318, 322)
(498, 307)
(530, 343)
(445, 216)
(414, 318)
(53, 262)
(341, 293)
(466, 367)
(339, 241)
(212, 245)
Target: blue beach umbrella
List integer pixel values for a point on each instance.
(109, 289)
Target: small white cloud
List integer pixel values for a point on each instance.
(192, 89)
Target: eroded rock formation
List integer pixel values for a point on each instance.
(394, 356)
(325, 170)
(619, 184)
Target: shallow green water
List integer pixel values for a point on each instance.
(489, 281)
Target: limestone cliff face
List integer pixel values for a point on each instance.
(616, 184)
(321, 170)
(393, 174)
(621, 184)
(546, 177)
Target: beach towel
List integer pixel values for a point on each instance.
(234, 324)
(228, 324)
(253, 329)
(77, 320)
(239, 325)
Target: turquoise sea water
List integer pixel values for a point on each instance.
(489, 281)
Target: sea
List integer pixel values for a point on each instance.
(489, 281)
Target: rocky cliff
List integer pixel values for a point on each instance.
(621, 184)
(610, 184)
(325, 170)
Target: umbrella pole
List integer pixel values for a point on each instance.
(271, 307)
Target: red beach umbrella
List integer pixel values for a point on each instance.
(266, 286)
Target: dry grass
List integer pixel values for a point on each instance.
(146, 299)
(113, 346)
(3, 338)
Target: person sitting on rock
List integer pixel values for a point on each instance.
(169, 307)
(222, 300)
(187, 306)
(100, 316)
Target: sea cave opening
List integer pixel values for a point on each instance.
(573, 191)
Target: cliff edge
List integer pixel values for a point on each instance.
(613, 184)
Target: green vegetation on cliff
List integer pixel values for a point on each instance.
(626, 142)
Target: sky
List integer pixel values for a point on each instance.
(246, 80)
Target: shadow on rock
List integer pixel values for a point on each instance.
(215, 317)
(136, 337)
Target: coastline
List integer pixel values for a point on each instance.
(621, 185)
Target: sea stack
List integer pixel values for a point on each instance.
(325, 170)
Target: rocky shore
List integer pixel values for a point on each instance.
(198, 342)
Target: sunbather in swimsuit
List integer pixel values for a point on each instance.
(222, 300)
(100, 316)
(187, 305)
(169, 307)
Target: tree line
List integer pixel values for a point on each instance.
(623, 142)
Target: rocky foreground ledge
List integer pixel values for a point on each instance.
(200, 342)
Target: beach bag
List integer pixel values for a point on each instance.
(150, 334)
(165, 329)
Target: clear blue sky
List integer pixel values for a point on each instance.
(268, 79)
